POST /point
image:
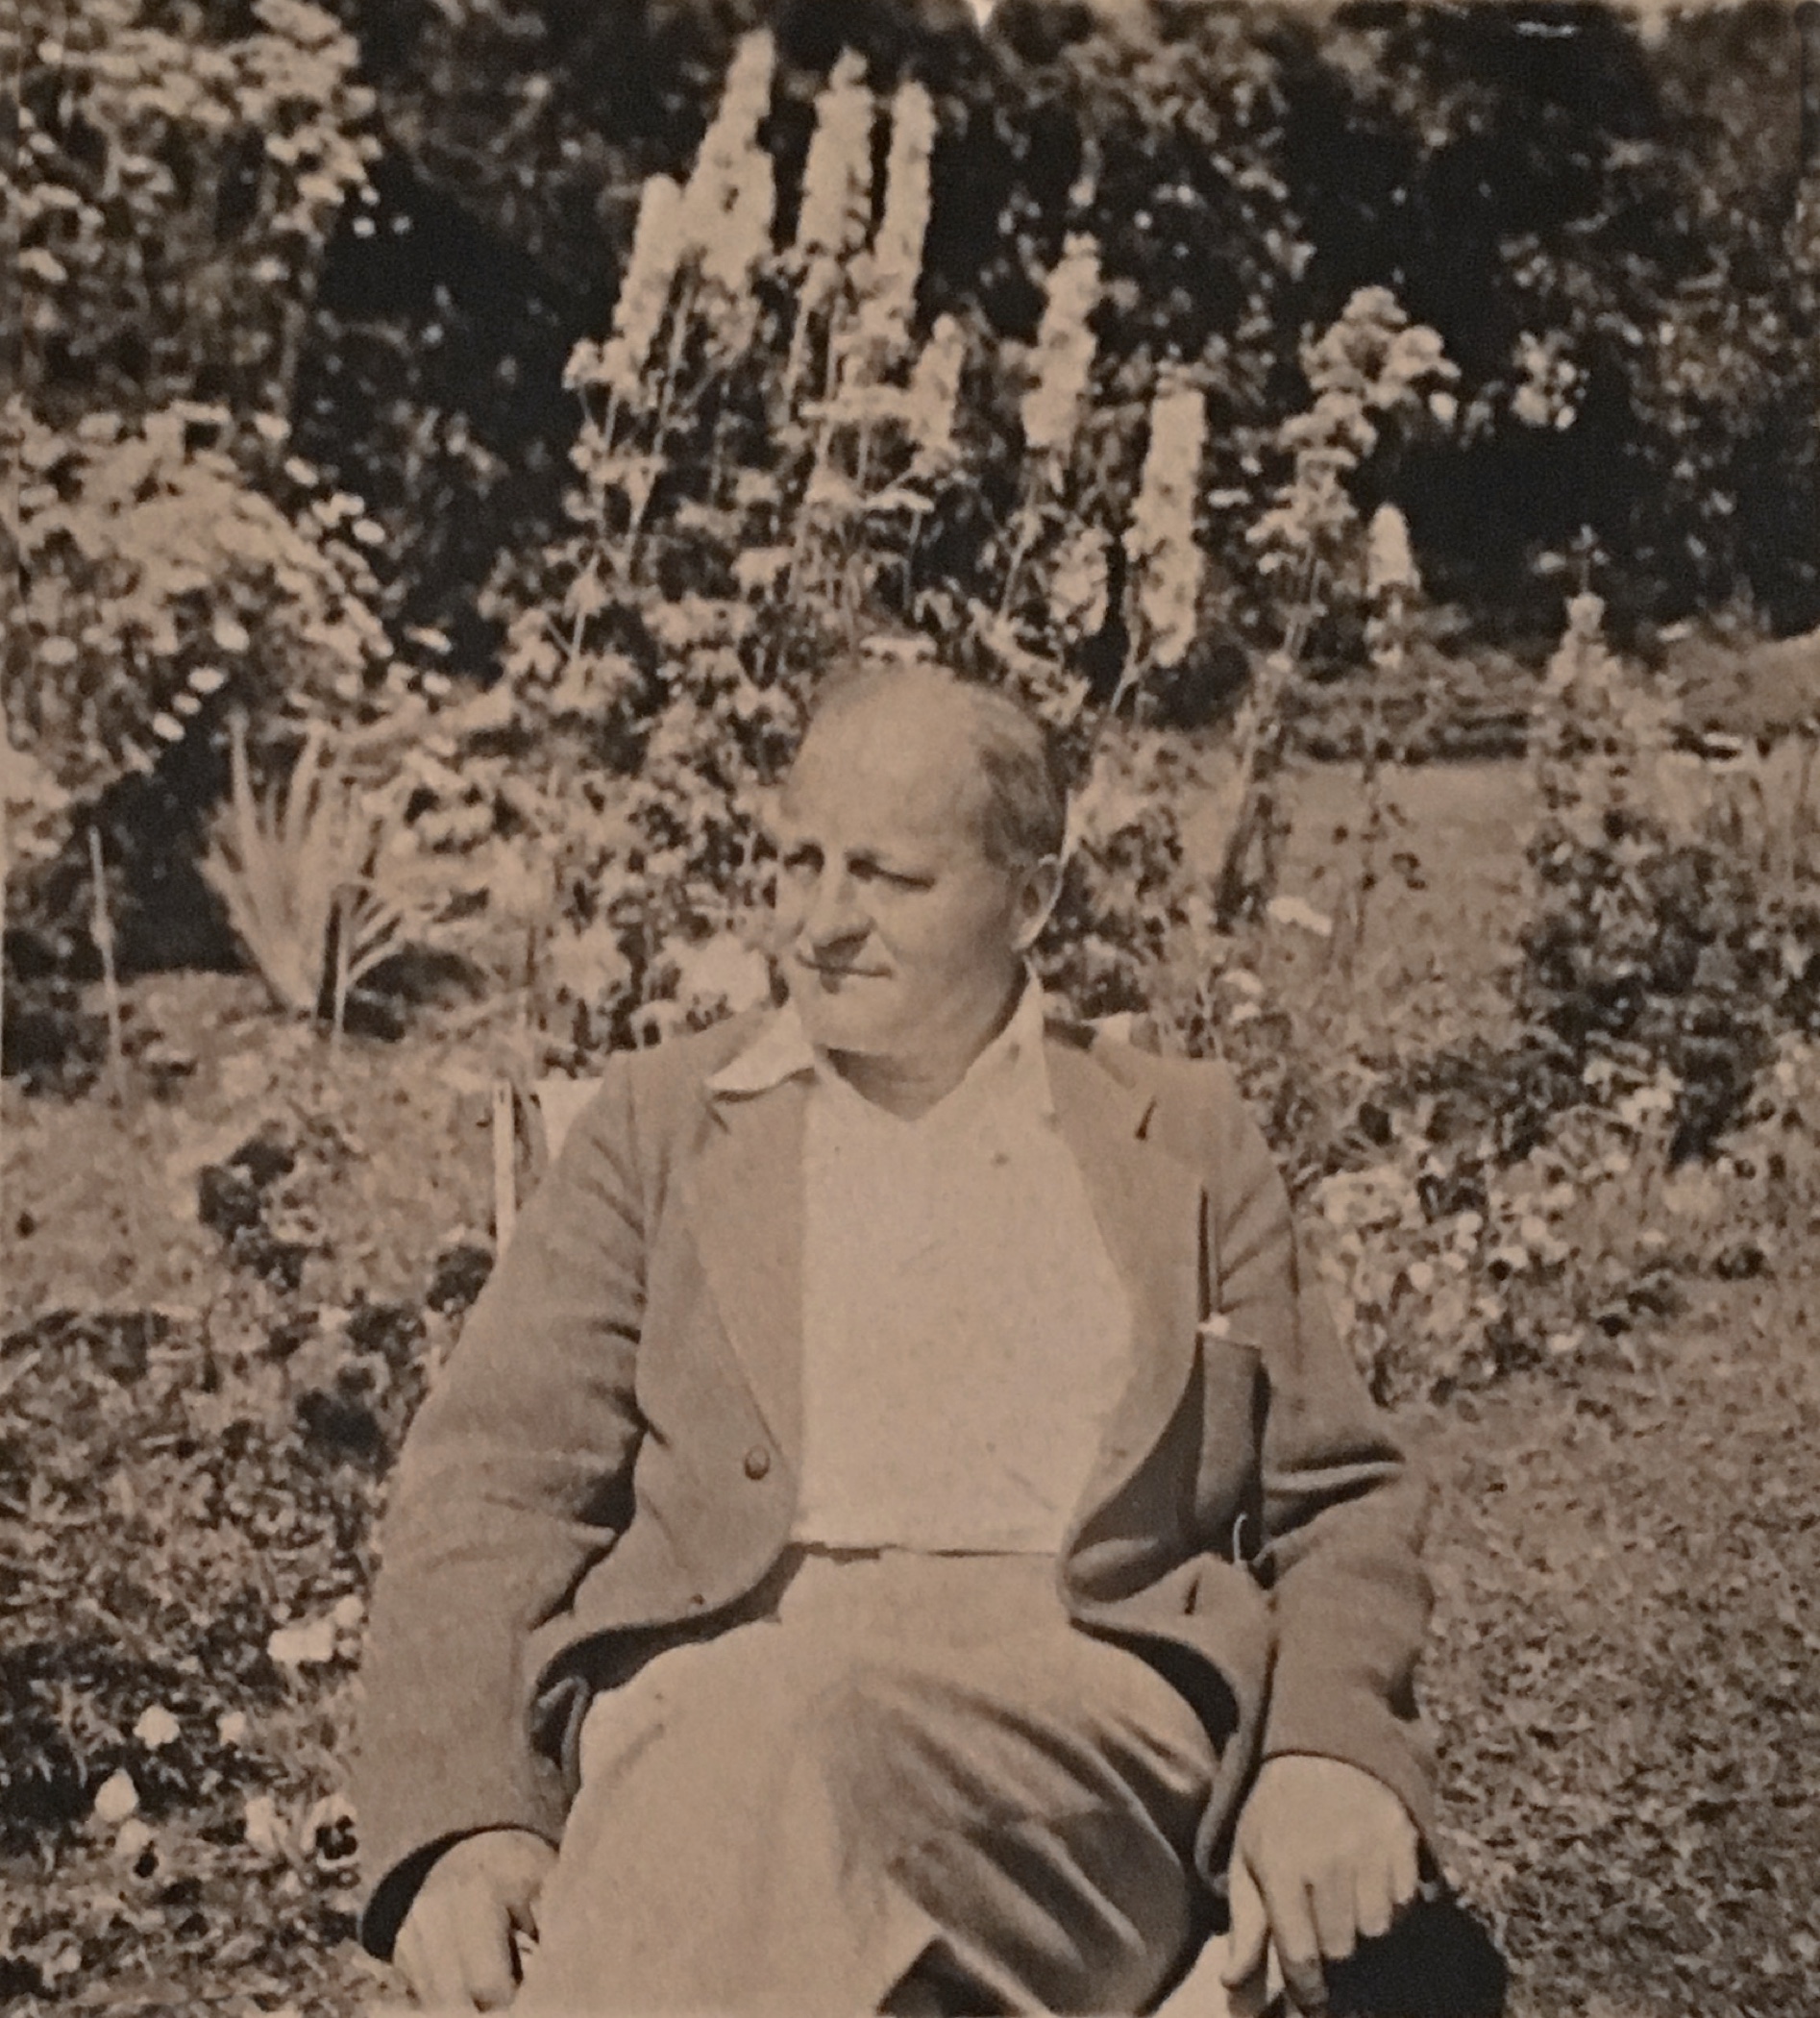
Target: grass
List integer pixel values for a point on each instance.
(1623, 1670)
(253, 1271)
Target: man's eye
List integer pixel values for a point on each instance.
(892, 878)
(801, 861)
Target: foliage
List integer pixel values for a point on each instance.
(161, 588)
(1652, 947)
(1371, 368)
(779, 467)
(312, 879)
(1610, 210)
(1526, 1189)
(1448, 1266)
(176, 184)
(175, 194)
(155, 1747)
(1132, 908)
(1039, 130)
(1606, 228)
(1764, 1195)
(194, 1482)
(32, 802)
(1464, 1229)
(1541, 1192)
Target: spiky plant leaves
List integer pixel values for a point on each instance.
(310, 876)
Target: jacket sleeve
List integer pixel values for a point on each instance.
(1345, 1509)
(512, 1483)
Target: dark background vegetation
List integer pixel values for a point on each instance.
(1540, 169)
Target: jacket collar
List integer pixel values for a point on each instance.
(781, 1050)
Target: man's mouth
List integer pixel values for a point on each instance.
(835, 971)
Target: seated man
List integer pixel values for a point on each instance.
(898, 1524)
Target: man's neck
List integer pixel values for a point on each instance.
(908, 1087)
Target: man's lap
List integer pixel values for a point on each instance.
(910, 1756)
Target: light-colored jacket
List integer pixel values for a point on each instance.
(608, 1459)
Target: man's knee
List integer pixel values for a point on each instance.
(873, 1728)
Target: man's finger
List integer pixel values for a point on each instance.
(1250, 1927)
(1335, 1924)
(1406, 1875)
(431, 1966)
(404, 1960)
(460, 1958)
(523, 1912)
(488, 1970)
(1297, 1942)
(1374, 1898)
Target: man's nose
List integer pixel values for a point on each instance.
(834, 915)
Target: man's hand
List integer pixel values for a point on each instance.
(456, 1948)
(1325, 1857)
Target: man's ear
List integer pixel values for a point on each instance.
(1040, 889)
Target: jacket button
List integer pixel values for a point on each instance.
(757, 1462)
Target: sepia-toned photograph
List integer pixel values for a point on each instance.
(911, 1009)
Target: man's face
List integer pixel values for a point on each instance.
(895, 929)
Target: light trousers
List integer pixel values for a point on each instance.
(909, 1763)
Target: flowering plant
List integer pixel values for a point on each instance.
(1371, 369)
(777, 468)
(159, 585)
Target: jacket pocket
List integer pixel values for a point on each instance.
(1229, 1479)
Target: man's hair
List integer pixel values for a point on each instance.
(1025, 815)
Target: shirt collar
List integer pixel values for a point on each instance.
(781, 1050)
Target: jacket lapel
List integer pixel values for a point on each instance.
(744, 1192)
(1149, 1206)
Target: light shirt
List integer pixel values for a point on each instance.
(966, 1334)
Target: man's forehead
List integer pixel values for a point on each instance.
(903, 764)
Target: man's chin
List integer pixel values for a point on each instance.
(836, 1018)
(834, 1029)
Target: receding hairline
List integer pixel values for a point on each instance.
(1023, 805)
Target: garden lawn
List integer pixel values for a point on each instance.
(1624, 1669)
